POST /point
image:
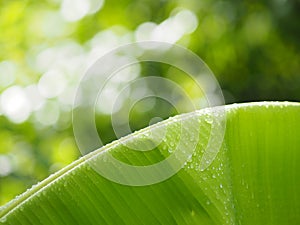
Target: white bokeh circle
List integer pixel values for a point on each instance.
(93, 83)
(158, 85)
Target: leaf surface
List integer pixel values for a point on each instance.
(252, 179)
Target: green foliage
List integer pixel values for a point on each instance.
(251, 46)
(253, 179)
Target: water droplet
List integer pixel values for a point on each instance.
(221, 186)
(209, 120)
(213, 176)
(3, 219)
(242, 182)
(103, 158)
(207, 202)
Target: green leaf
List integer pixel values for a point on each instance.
(252, 179)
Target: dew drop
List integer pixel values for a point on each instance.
(193, 213)
(207, 202)
(242, 182)
(209, 120)
(192, 139)
(3, 219)
(221, 186)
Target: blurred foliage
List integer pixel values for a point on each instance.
(251, 46)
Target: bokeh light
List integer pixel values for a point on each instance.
(252, 47)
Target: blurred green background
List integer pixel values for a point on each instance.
(253, 48)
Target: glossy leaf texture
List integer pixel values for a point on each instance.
(254, 178)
